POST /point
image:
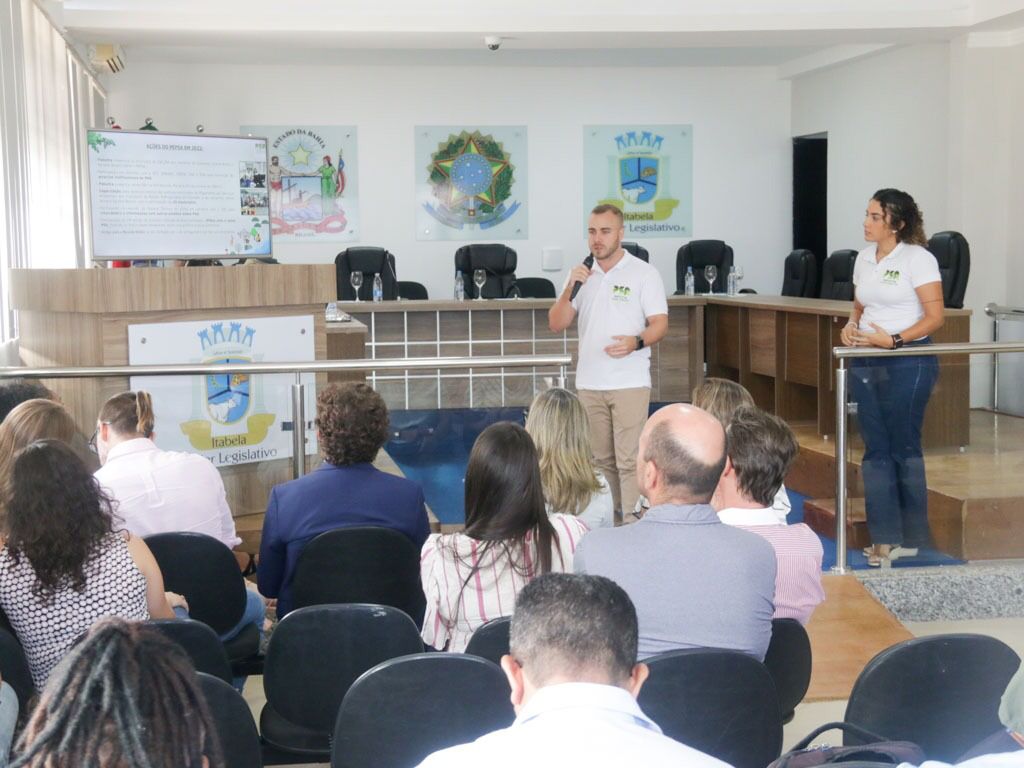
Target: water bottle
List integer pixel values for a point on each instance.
(460, 287)
(689, 285)
(730, 283)
(378, 287)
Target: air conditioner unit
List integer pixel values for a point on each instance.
(107, 56)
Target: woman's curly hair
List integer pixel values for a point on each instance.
(353, 423)
(57, 516)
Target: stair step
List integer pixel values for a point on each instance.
(820, 515)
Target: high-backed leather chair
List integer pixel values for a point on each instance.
(535, 288)
(637, 250)
(409, 289)
(800, 274)
(954, 256)
(837, 275)
(369, 260)
(699, 254)
(497, 260)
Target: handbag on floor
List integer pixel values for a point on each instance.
(878, 751)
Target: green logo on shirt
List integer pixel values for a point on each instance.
(620, 292)
(891, 276)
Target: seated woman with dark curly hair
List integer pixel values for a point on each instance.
(125, 696)
(62, 564)
(346, 490)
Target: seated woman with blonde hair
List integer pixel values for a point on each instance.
(29, 421)
(558, 424)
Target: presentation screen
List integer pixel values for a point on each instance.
(176, 196)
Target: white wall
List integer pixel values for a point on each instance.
(742, 151)
(887, 122)
(945, 122)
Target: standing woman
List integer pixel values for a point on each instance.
(898, 302)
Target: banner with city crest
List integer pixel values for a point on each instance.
(231, 418)
(313, 179)
(646, 170)
(471, 182)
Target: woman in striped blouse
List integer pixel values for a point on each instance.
(474, 576)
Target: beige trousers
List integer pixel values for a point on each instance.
(617, 416)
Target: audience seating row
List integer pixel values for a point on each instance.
(800, 271)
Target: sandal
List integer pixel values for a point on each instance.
(878, 552)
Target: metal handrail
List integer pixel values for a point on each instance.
(842, 354)
(998, 314)
(1013, 313)
(320, 366)
(298, 396)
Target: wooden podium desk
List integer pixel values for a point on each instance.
(80, 317)
(780, 348)
(471, 328)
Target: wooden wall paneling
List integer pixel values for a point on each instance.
(795, 342)
(761, 329)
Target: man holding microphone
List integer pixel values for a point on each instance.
(623, 312)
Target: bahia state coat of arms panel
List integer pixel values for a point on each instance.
(231, 418)
(471, 183)
(647, 171)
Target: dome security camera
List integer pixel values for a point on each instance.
(493, 42)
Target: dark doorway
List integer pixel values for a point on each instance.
(810, 195)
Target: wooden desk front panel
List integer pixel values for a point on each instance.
(450, 329)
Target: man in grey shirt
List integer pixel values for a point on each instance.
(696, 582)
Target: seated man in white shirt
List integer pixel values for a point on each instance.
(574, 679)
(157, 491)
(761, 449)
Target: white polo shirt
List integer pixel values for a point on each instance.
(616, 303)
(888, 289)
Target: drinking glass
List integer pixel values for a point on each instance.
(710, 273)
(356, 278)
(479, 278)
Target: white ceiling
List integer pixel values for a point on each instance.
(781, 33)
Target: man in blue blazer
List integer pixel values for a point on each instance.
(345, 491)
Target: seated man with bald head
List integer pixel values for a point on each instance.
(696, 582)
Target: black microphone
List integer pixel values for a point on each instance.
(588, 263)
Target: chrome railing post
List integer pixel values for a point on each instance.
(561, 377)
(841, 418)
(298, 428)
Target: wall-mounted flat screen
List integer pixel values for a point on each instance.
(160, 195)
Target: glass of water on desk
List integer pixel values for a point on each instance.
(710, 273)
(356, 278)
(479, 278)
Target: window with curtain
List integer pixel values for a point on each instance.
(48, 98)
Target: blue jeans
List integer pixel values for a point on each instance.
(255, 613)
(891, 395)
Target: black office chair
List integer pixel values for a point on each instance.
(206, 572)
(637, 250)
(699, 254)
(315, 654)
(788, 661)
(490, 640)
(497, 260)
(535, 288)
(940, 692)
(720, 702)
(837, 275)
(954, 256)
(360, 565)
(407, 289)
(236, 730)
(14, 670)
(371, 261)
(404, 709)
(800, 274)
(199, 642)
